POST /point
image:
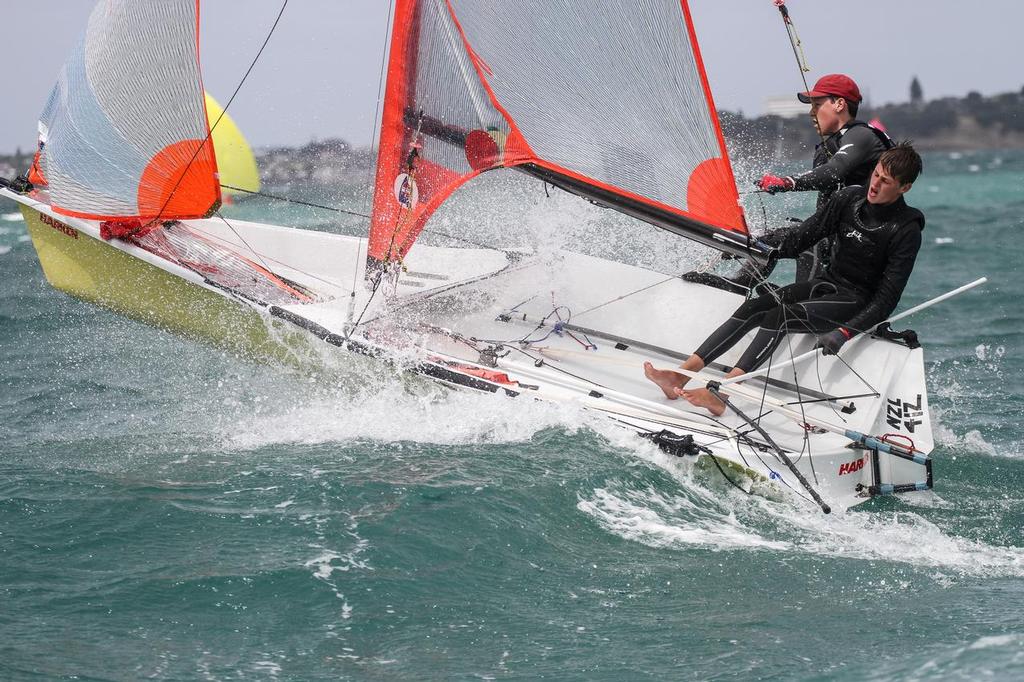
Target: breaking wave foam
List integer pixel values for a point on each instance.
(699, 515)
(391, 412)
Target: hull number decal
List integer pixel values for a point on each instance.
(406, 192)
(904, 414)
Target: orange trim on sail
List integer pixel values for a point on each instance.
(173, 186)
(387, 211)
(708, 188)
(741, 226)
(35, 172)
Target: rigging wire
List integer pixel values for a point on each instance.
(378, 110)
(335, 209)
(296, 201)
(223, 113)
(242, 239)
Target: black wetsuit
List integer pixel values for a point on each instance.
(844, 158)
(872, 255)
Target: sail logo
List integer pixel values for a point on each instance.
(851, 467)
(407, 193)
(57, 225)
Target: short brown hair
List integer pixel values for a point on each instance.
(902, 162)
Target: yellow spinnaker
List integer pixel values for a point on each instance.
(235, 159)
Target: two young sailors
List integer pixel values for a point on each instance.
(846, 155)
(875, 237)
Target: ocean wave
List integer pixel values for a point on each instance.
(697, 515)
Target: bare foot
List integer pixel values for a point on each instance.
(667, 380)
(702, 397)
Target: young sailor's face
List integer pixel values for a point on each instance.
(884, 188)
(825, 114)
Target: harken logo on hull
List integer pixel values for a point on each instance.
(851, 467)
(58, 225)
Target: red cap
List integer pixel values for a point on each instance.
(835, 84)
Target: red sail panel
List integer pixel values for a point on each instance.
(410, 182)
(711, 193)
(589, 91)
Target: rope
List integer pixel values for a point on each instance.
(296, 201)
(627, 295)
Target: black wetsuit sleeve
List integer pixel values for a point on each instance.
(856, 146)
(902, 250)
(825, 222)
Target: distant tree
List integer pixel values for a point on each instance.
(916, 93)
(936, 116)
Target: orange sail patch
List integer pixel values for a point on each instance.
(180, 182)
(711, 196)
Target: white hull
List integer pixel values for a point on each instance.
(451, 317)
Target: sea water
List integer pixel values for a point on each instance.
(170, 511)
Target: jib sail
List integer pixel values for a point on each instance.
(607, 100)
(124, 133)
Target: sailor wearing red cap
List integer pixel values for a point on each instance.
(846, 156)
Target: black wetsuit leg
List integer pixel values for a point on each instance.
(812, 306)
(746, 317)
(826, 308)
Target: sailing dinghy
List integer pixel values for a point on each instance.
(608, 101)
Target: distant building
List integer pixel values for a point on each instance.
(785, 107)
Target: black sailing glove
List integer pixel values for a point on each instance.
(831, 343)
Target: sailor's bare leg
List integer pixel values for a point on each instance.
(702, 397)
(670, 381)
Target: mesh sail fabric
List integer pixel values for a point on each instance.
(611, 95)
(220, 265)
(434, 99)
(126, 122)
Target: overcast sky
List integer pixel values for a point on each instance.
(319, 75)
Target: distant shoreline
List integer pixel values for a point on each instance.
(971, 123)
(950, 124)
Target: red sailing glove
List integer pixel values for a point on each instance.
(831, 343)
(773, 184)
